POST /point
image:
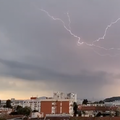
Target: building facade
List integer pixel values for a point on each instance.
(60, 103)
(34, 103)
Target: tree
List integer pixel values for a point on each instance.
(101, 102)
(8, 104)
(19, 109)
(75, 108)
(4, 106)
(27, 111)
(85, 102)
(13, 113)
(24, 111)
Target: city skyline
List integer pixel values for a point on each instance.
(38, 55)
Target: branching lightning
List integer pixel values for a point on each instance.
(69, 20)
(106, 29)
(79, 42)
(58, 19)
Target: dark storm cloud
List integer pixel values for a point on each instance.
(30, 72)
(34, 47)
(86, 83)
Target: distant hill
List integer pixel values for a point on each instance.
(112, 99)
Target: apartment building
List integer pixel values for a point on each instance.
(60, 103)
(34, 103)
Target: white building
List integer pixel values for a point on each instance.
(61, 95)
(34, 103)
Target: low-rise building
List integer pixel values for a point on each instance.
(3, 103)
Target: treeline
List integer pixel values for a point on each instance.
(21, 111)
(112, 99)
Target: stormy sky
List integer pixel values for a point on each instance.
(39, 56)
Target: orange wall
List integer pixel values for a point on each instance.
(46, 107)
(58, 107)
(65, 107)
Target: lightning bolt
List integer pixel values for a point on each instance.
(103, 55)
(90, 45)
(79, 42)
(69, 20)
(58, 19)
(101, 38)
(106, 29)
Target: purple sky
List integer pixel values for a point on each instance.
(38, 56)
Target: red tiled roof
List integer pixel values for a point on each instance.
(33, 98)
(98, 108)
